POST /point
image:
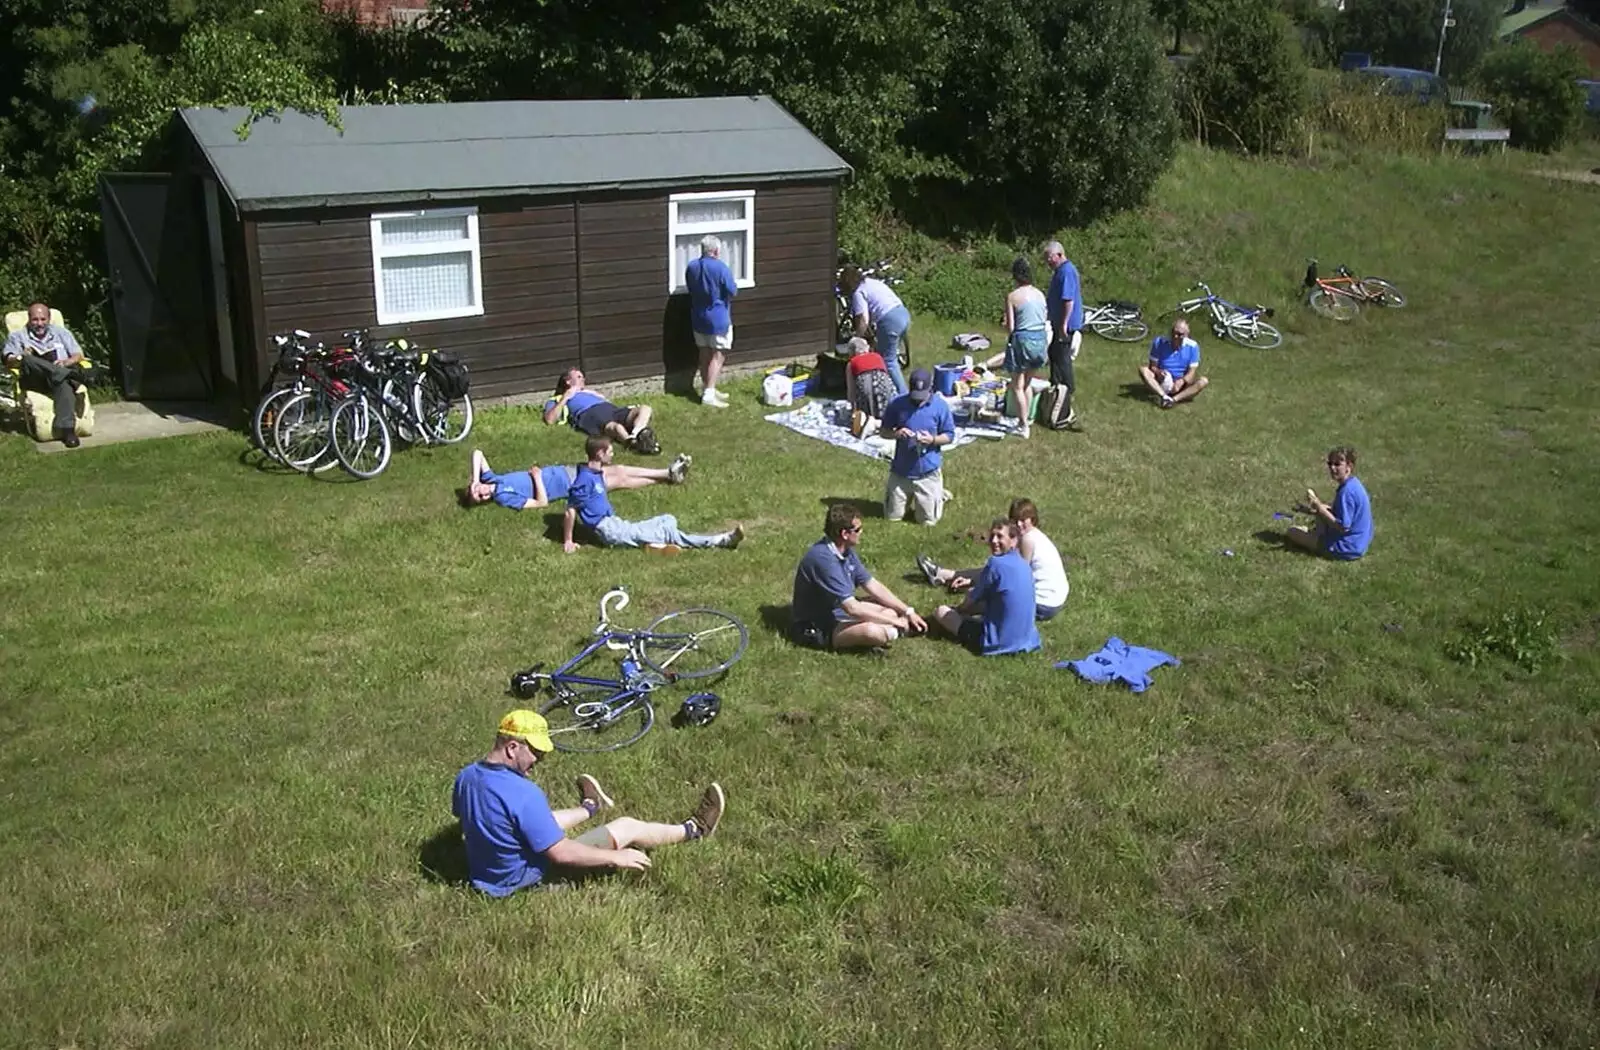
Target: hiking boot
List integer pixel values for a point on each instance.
(708, 814)
(679, 469)
(589, 790)
(735, 537)
(929, 569)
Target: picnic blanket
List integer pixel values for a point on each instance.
(830, 421)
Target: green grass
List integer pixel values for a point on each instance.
(233, 702)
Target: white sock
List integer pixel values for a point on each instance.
(894, 632)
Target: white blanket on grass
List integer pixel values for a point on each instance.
(830, 421)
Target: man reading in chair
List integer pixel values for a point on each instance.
(48, 356)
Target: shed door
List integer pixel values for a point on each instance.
(155, 251)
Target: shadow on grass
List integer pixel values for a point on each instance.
(442, 856)
(776, 619)
(868, 507)
(1136, 392)
(552, 531)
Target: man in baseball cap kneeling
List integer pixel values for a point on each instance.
(514, 839)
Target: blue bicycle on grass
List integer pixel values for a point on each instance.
(1245, 325)
(588, 712)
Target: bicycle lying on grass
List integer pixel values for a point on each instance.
(1116, 319)
(588, 712)
(1244, 325)
(1341, 297)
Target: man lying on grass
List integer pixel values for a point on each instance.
(541, 486)
(996, 617)
(514, 839)
(1050, 587)
(589, 413)
(1344, 530)
(587, 503)
(826, 613)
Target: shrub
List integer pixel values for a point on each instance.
(1353, 109)
(954, 288)
(1248, 89)
(1536, 93)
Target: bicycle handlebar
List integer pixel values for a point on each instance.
(617, 595)
(1202, 286)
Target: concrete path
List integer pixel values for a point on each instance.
(120, 421)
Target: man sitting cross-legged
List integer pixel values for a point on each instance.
(514, 839)
(1050, 587)
(826, 613)
(587, 502)
(1173, 371)
(541, 486)
(996, 617)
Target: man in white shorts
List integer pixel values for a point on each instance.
(1050, 587)
(711, 288)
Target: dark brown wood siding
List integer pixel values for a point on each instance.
(570, 282)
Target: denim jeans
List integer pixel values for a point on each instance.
(59, 381)
(663, 528)
(890, 330)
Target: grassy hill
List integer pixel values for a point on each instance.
(233, 701)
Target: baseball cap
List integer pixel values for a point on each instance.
(529, 727)
(921, 385)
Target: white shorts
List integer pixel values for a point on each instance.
(715, 342)
(925, 495)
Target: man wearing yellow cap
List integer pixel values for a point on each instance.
(514, 838)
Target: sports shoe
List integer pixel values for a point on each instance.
(714, 398)
(589, 790)
(69, 438)
(929, 569)
(1166, 401)
(668, 549)
(735, 537)
(680, 468)
(708, 814)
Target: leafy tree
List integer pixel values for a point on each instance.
(1406, 32)
(1536, 93)
(1247, 90)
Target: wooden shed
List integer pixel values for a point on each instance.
(525, 236)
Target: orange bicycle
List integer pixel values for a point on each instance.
(1340, 297)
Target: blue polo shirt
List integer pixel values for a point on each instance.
(1174, 360)
(710, 285)
(911, 460)
(512, 489)
(1064, 285)
(508, 826)
(587, 495)
(1006, 590)
(824, 580)
(1354, 511)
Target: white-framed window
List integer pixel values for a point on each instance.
(731, 215)
(426, 265)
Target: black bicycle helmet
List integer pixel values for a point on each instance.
(699, 709)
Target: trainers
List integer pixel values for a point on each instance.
(708, 814)
(69, 438)
(714, 398)
(589, 790)
(1024, 431)
(929, 569)
(679, 469)
(1166, 401)
(735, 537)
(663, 548)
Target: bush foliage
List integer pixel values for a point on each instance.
(1406, 32)
(1536, 93)
(1247, 90)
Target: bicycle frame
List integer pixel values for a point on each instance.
(1222, 311)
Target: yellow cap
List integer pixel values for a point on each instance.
(529, 727)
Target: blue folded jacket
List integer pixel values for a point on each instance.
(1121, 662)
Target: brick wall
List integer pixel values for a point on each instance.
(1564, 29)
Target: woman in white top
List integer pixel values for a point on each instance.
(1050, 587)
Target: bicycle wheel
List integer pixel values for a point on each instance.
(444, 422)
(1382, 292)
(1123, 328)
(693, 643)
(1332, 304)
(598, 718)
(399, 402)
(361, 437)
(263, 419)
(1253, 332)
(903, 351)
(302, 433)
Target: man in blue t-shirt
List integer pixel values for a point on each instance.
(1173, 371)
(996, 617)
(589, 413)
(921, 423)
(514, 838)
(541, 486)
(1063, 302)
(1343, 530)
(711, 287)
(587, 503)
(826, 614)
